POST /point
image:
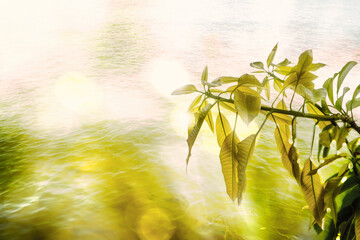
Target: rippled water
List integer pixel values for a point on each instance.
(93, 145)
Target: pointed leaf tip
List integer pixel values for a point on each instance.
(343, 72)
(313, 192)
(271, 56)
(196, 129)
(244, 154)
(187, 89)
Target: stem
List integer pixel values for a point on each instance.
(334, 117)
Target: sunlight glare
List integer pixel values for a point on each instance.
(180, 119)
(166, 75)
(72, 100)
(78, 94)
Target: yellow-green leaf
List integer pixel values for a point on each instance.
(352, 104)
(305, 79)
(312, 109)
(305, 60)
(288, 152)
(257, 65)
(271, 56)
(343, 72)
(228, 106)
(339, 101)
(225, 79)
(267, 90)
(313, 192)
(215, 90)
(204, 75)
(315, 66)
(247, 103)
(281, 118)
(196, 129)
(328, 85)
(341, 138)
(313, 95)
(244, 154)
(222, 128)
(353, 144)
(325, 138)
(248, 80)
(285, 62)
(229, 164)
(185, 90)
(284, 70)
(209, 119)
(330, 192)
(194, 103)
(277, 85)
(327, 160)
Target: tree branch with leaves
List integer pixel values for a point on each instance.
(338, 197)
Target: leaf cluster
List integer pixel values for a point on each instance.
(338, 197)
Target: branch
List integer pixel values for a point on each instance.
(334, 117)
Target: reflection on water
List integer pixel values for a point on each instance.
(92, 145)
(99, 183)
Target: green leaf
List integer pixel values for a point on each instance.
(284, 70)
(285, 62)
(266, 85)
(190, 88)
(215, 90)
(210, 121)
(222, 128)
(196, 129)
(288, 152)
(327, 161)
(204, 76)
(247, 103)
(328, 85)
(319, 151)
(314, 95)
(194, 103)
(356, 92)
(248, 80)
(312, 109)
(245, 152)
(341, 138)
(293, 130)
(316, 66)
(325, 107)
(353, 144)
(342, 74)
(330, 192)
(228, 106)
(277, 85)
(305, 60)
(313, 192)
(229, 164)
(271, 56)
(325, 138)
(225, 80)
(326, 151)
(281, 119)
(352, 104)
(339, 101)
(257, 65)
(305, 79)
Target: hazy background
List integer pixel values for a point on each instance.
(92, 145)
